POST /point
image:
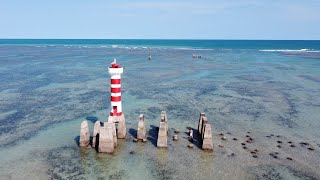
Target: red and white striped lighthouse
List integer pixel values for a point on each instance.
(115, 72)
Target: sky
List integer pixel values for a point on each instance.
(162, 19)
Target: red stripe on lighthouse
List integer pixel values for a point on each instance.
(115, 114)
(115, 81)
(115, 90)
(115, 98)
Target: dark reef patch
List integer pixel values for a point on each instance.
(311, 78)
(205, 89)
(284, 68)
(280, 86)
(161, 170)
(67, 163)
(253, 77)
(245, 106)
(245, 89)
(119, 174)
(154, 112)
(280, 172)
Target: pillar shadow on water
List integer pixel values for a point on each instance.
(90, 140)
(97, 142)
(133, 132)
(153, 134)
(92, 119)
(77, 140)
(196, 137)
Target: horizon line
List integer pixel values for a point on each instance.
(159, 39)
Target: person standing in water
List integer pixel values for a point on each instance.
(191, 135)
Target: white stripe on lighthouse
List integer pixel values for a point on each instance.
(115, 85)
(116, 94)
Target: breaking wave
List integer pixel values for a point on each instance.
(289, 50)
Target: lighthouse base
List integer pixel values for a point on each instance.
(121, 128)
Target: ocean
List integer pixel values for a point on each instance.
(266, 89)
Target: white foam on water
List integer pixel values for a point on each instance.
(289, 50)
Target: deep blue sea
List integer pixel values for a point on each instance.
(264, 89)
(207, 44)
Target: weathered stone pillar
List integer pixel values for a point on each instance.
(200, 122)
(84, 134)
(96, 130)
(164, 119)
(207, 138)
(204, 122)
(121, 130)
(106, 144)
(162, 135)
(141, 134)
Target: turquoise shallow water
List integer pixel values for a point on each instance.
(265, 87)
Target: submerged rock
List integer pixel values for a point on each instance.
(175, 138)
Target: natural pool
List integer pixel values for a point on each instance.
(46, 91)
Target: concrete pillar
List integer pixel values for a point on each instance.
(141, 134)
(96, 130)
(207, 138)
(106, 144)
(204, 122)
(200, 122)
(121, 130)
(162, 135)
(84, 134)
(164, 119)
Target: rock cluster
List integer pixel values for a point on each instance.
(175, 137)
